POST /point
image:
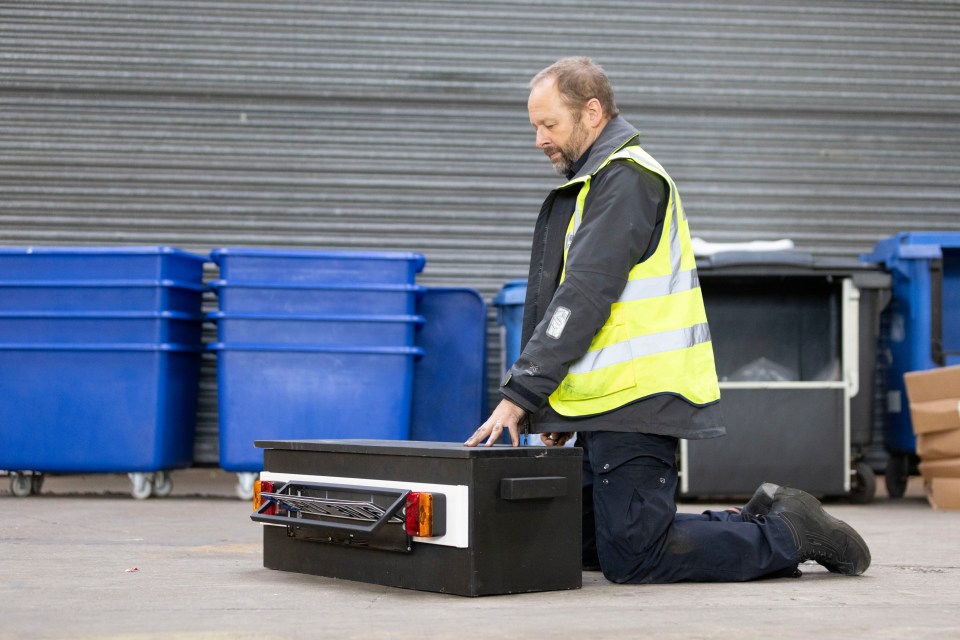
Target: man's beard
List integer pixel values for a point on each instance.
(570, 152)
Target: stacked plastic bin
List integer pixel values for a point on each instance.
(921, 329)
(99, 363)
(312, 345)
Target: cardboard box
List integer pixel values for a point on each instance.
(938, 445)
(943, 493)
(934, 399)
(947, 468)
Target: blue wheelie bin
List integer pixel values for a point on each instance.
(509, 305)
(312, 344)
(99, 363)
(921, 329)
(450, 379)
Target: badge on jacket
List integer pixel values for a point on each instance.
(558, 322)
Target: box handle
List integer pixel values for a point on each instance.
(937, 354)
(533, 488)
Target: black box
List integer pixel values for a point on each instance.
(510, 516)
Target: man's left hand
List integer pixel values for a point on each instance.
(506, 416)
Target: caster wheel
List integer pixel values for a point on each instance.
(142, 485)
(245, 485)
(864, 486)
(20, 484)
(162, 484)
(897, 475)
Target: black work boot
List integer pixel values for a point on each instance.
(762, 500)
(818, 535)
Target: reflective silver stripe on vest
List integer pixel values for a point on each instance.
(674, 237)
(578, 212)
(647, 345)
(658, 286)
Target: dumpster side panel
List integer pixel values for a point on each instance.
(799, 443)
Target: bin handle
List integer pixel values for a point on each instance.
(851, 337)
(937, 354)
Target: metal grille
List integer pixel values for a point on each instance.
(364, 510)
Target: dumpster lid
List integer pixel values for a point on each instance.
(791, 263)
(414, 448)
(764, 258)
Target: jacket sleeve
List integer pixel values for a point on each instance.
(622, 218)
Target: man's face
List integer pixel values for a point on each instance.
(561, 134)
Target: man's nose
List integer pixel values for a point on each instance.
(542, 139)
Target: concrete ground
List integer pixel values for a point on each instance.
(85, 560)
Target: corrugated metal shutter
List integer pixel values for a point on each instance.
(402, 125)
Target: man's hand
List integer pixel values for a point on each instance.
(506, 416)
(555, 439)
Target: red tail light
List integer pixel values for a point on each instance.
(419, 511)
(263, 486)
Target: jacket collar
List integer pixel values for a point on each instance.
(616, 134)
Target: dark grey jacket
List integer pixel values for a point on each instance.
(622, 220)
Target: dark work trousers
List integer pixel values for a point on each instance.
(631, 527)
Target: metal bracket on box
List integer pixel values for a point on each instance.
(341, 514)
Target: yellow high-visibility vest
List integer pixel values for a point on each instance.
(656, 340)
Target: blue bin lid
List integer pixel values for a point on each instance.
(513, 292)
(916, 245)
(106, 251)
(100, 346)
(314, 348)
(95, 284)
(418, 259)
(102, 315)
(215, 316)
(216, 285)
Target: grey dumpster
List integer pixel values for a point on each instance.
(795, 343)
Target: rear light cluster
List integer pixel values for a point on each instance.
(264, 486)
(419, 514)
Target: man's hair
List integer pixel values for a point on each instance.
(578, 80)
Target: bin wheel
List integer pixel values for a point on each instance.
(864, 486)
(36, 483)
(897, 474)
(20, 484)
(245, 485)
(162, 484)
(142, 485)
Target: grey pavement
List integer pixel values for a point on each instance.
(85, 560)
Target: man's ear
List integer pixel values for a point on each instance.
(594, 112)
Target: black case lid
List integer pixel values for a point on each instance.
(416, 448)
